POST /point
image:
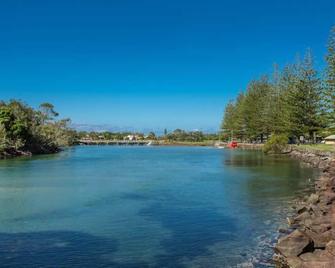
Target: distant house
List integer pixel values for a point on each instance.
(130, 138)
(330, 139)
(87, 137)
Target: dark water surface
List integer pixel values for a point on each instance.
(145, 207)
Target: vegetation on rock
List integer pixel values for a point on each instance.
(24, 130)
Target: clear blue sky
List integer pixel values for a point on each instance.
(150, 64)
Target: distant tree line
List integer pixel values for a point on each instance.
(295, 101)
(28, 130)
(176, 135)
(189, 136)
(108, 135)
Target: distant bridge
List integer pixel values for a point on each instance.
(114, 142)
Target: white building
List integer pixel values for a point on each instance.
(330, 139)
(130, 138)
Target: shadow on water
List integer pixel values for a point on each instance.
(58, 249)
(193, 230)
(251, 159)
(271, 175)
(28, 160)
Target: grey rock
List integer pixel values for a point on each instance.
(294, 244)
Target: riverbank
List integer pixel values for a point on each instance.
(312, 242)
(12, 152)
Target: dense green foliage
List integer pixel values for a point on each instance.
(23, 128)
(329, 96)
(276, 144)
(181, 135)
(295, 101)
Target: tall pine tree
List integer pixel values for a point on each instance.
(257, 120)
(228, 122)
(329, 96)
(305, 99)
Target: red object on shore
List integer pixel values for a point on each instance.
(232, 144)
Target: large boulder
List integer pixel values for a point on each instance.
(302, 209)
(320, 240)
(320, 228)
(303, 216)
(329, 197)
(294, 262)
(330, 168)
(294, 244)
(317, 259)
(323, 183)
(324, 163)
(330, 247)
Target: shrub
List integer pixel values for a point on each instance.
(276, 144)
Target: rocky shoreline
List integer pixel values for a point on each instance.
(12, 152)
(312, 241)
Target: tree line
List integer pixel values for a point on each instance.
(24, 129)
(109, 135)
(180, 135)
(177, 135)
(295, 101)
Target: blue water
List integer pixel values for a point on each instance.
(111, 206)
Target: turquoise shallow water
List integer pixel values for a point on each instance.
(102, 206)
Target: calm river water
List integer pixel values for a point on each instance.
(138, 207)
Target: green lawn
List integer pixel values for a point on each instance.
(319, 147)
